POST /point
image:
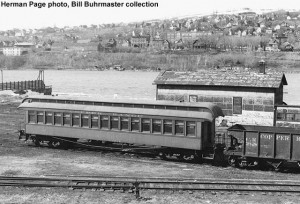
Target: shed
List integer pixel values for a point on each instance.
(245, 96)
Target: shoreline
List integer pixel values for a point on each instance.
(285, 70)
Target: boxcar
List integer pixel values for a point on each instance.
(183, 132)
(251, 145)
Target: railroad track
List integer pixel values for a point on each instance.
(131, 184)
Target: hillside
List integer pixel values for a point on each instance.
(232, 38)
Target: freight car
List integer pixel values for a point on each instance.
(185, 130)
(259, 145)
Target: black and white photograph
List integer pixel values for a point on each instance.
(149, 101)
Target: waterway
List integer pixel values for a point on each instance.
(118, 84)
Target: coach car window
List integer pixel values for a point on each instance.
(290, 116)
(191, 129)
(57, 118)
(114, 122)
(40, 117)
(67, 119)
(193, 109)
(160, 107)
(179, 127)
(280, 116)
(49, 117)
(167, 126)
(31, 116)
(297, 117)
(145, 125)
(135, 123)
(149, 106)
(84, 120)
(95, 121)
(171, 107)
(182, 108)
(75, 119)
(124, 123)
(156, 126)
(104, 121)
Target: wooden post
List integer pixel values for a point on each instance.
(2, 78)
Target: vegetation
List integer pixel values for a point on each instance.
(161, 61)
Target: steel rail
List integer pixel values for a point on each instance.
(136, 184)
(57, 177)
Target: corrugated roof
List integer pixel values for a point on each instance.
(233, 78)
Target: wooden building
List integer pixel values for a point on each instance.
(159, 44)
(140, 41)
(246, 97)
(12, 51)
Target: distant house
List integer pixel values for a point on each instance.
(110, 45)
(125, 43)
(13, 51)
(159, 44)
(178, 45)
(83, 41)
(269, 31)
(273, 45)
(187, 36)
(286, 46)
(140, 41)
(19, 34)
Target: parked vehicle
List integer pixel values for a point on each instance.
(255, 145)
(184, 130)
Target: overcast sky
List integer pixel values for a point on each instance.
(30, 17)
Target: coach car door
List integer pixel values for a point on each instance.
(206, 135)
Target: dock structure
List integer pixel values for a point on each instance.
(37, 85)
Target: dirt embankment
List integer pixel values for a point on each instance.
(18, 158)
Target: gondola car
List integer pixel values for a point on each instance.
(184, 129)
(254, 145)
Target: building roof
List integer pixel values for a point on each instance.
(24, 44)
(232, 78)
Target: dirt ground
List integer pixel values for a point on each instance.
(18, 158)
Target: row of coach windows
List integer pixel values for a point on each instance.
(134, 124)
(288, 117)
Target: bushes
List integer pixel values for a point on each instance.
(12, 62)
(144, 60)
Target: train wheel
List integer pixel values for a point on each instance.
(232, 161)
(36, 141)
(162, 155)
(180, 157)
(54, 144)
(243, 164)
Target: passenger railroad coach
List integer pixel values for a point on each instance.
(181, 128)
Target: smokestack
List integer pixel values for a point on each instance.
(262, 67)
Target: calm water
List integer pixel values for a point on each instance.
(114, 84)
